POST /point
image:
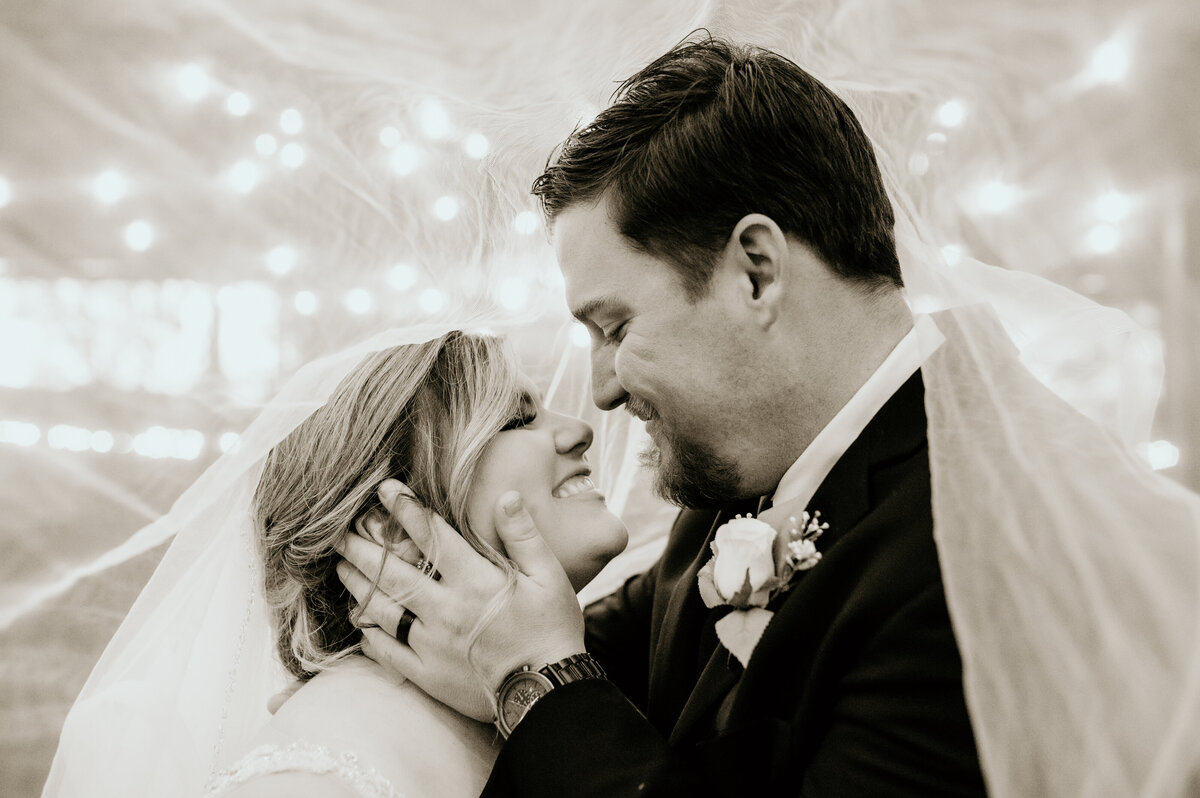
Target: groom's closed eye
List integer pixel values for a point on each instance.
(615, 333)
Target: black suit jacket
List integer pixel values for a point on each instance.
(855, 688)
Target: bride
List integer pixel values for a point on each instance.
(453, 419)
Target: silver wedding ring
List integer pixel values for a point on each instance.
(426, 567)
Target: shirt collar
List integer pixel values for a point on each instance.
(801, 481)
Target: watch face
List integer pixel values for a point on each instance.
(521, 691)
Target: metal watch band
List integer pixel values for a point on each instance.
(573, 669)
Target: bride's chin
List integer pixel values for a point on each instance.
(580, 577)
(618, 544)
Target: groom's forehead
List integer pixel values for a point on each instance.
(598, 264)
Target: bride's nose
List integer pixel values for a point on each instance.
(572, 435)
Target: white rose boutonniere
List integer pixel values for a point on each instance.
(751, 564)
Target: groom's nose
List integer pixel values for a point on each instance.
(607, 392)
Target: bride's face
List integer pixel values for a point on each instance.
(540, 454)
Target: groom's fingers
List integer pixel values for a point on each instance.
(399, 581)
(380, 609)
(372, 525)
(522, 541)
(388, 652)
(433, 536)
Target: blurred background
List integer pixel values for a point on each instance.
(198, 197)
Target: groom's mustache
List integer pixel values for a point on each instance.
(639, 409)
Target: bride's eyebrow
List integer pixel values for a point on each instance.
(533, 398)
(526, 399)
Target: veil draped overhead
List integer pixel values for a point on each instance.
(1071, 569)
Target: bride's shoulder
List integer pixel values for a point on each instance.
(360, 726)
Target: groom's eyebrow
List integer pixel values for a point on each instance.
(598, 306)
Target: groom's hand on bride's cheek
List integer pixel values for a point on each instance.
(533, 621)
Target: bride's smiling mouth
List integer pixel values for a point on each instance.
(575, 485)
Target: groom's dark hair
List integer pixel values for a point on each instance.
(712, 131)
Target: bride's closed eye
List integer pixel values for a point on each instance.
(525, 415)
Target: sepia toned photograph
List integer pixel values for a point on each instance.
(654, 398)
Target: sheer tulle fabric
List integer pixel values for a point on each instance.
(1072, 573)
(1070, 567)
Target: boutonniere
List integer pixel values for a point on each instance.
(753, 563)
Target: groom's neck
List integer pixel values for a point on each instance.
(820, 375)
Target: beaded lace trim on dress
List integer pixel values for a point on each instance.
(305, 758)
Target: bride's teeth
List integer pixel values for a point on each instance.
(574, 485)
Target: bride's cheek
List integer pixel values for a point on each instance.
(479, 516)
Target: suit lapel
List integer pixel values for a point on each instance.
(673, 659)
(843, 499)
(718, 676)
(681, 647)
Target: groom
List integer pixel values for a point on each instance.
(725, 237)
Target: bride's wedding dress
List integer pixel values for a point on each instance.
(357, 729)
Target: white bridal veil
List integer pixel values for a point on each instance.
(1071, 568)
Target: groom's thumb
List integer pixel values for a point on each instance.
(520, 537)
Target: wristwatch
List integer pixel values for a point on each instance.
(521, 689)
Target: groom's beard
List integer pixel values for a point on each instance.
(689, 473)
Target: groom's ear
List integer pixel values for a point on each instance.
(757, 253)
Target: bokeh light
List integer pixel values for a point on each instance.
(359, 301)
(402, 276)
(110, 186)
(432, 300)
(476, 145)
(238, 104)
(102, 441)
(435, 122)
(266, 145)
(918, 164)
(446, 208)
(952, 113)
(292, 155)
(404, 159)
(281, 259)
(160, 442)
(193, 82)
(139, 235)
(995, 196)
(1113, 207)
(1103, 239)
(69, 437)
(20, 433)
(1160, 454)
(244, 176)
(1110, 61)
(290, 122)
(389, 137)
(306, 303)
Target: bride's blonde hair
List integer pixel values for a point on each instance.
(422, 414)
